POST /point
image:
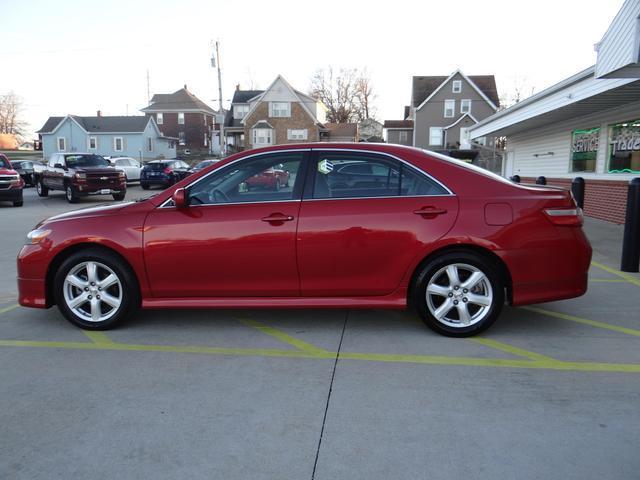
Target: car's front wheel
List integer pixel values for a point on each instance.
(41, 189)
(95, 290)
(71, 195)
(459, 294)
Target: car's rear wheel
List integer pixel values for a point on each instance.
(94, 290)
(145, 186)
(41, 189)
(277, 186)
(459, 294)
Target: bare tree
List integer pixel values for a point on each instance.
(521, 88)
(10, 115)
(347, 94)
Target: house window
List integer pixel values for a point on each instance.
(449, 108)
(93, 143)
(624, 147)
(181, 138)
(435, 136)
(280, 109)
(150, 144)
(239, 111)
(262, 136)
(181, 118)
(402, 136)
(62, 144)
(297, 134)
(118, 144)
(206, 140)
(159, 118)
(457, 86)
(465, 105)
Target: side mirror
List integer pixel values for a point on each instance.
(58, 165)
(179, 198)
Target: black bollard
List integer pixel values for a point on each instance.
(577, 188)
(631, 242)
(541, 180)
(515, 178)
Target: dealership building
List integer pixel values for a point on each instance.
(587, 125)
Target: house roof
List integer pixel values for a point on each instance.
(342, 129)
(408, 124)
(120, 124)
(239, 96)
(181, 99)
(425, 86)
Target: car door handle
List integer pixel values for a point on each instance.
(277, 217)
(430, 212)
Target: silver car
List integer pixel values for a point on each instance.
(130, 166)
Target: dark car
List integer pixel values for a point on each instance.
(10, 183)
(25, 170)
(78, 175)
(203, 164)
(163, 173)
(450, 239)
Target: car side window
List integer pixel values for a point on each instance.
(264, 178)
(351, 175)
(363, 175)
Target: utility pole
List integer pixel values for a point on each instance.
(148, 89)
(215, 63)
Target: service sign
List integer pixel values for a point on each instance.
(584, 149)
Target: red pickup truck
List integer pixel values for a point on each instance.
(10, 183)
(80, 174)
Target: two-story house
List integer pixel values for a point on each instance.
(183, 115)
(131, 136)
(280, 114)
(442, 110)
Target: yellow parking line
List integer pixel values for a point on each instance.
(283, 337)
(97, 337)
(9, 308)
(607, 280)
(371, 357)
(623, 275)
(505, 347)
(585, 321)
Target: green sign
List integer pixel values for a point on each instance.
(624, 147)
(584, 149)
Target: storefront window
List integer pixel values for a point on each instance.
(624, 147)
(584, 150)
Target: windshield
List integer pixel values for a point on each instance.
(86, 161)
(4, 163)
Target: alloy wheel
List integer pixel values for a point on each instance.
(459, 295)
(92, 291)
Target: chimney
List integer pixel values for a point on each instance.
(237, 87)
(98, 113)
(185, 86)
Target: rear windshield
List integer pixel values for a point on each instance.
(205, 164)
(4, 163)
(157, 165)
(469, 166)
(86, 161)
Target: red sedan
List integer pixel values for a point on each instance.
(452, 240)
(274, 178)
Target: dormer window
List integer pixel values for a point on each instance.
(280, 109)
(457, 86)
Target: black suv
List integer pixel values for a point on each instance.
(163, 172)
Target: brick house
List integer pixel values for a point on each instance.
(278, 115)
(183, 115)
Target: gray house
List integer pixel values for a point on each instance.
(442, 110)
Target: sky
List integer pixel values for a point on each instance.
(77, 57)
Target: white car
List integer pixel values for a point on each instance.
(130, 166)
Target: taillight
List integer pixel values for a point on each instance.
(168, 170)
(571, 217)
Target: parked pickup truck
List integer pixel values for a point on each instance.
(79, 174)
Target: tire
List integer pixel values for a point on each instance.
(18, 203)
(144, 186)
(41, 189)
(442, 299)
(119, 196)
(73, 282)
(277, 187)
(70, 194)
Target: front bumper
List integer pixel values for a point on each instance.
(10, 194)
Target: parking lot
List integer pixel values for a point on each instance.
(550, 391)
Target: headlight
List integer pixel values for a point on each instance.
(81, 176)
(121, 175)
(38, 235)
